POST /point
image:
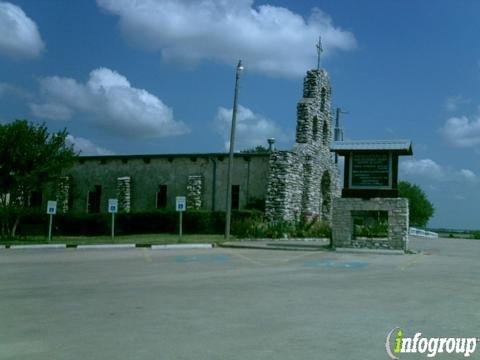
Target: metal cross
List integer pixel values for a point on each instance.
(319, 51)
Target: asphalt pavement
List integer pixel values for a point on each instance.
(233, 303)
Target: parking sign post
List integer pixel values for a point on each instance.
(180, 206)
(112, 209)
(51, 210)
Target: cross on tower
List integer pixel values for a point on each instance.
(319, 51)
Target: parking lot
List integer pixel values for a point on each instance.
(233, 303)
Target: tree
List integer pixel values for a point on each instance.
(256, 149)
(30, 158)
(421, 209)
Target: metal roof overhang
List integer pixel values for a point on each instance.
(400, 147)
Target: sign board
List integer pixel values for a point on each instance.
(112, 206)
(180, 203)
(372, 171)
(51, 207)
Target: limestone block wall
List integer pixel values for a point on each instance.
(194, 192)
(342, 224)
(285, 187)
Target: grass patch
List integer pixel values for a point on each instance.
(157, 239)
(474, 235)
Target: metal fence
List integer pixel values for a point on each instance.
(423, 233)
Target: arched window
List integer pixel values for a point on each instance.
(325, 133)
(323, 95)
(326, 190)
(315, 128)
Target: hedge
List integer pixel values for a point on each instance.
(160, 221)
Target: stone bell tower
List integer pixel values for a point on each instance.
(303, 181)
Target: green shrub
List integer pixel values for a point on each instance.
(245, 224)
(255, 204)
(313, 228)
(476, 235)
(158, 221)
(256, 227)
(81, 224)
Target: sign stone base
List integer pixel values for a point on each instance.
(342, 222)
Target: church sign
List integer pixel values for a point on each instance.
(371, 167)
(371, 170)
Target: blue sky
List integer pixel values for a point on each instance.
(159, 78)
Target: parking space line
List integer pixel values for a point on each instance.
(310, 253)
(243, 257)
(146, 255)
(409, 263)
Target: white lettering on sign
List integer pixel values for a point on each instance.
(180, 203)
(51, 207)
(112, 205)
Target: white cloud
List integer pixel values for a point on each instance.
(19, 34)
(251, 129)
(468, 175)
(454, 102)
(423, 168)
(51, 111)
(111, 103)
(461, 132)
(86, 147)
(430, 170)
(270, 39)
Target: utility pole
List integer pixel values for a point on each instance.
(228, 217)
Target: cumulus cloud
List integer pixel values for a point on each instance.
(110, 102)
(468, 175)
(429, 169)
(251, 129)
(86, 147)
(51, 111)
(19, 34)
(423, 168)
(270, 39)
(462, 132)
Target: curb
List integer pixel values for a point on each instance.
(279, 247)
(41, 246)
(181, 246)
(106, 246)
(369, 251)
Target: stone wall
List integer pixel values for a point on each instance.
(147, 172)
(295, 183)
(285, 186)
(342, 226)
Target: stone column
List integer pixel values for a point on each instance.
(194, 192)
(123, 193)
(63, 194)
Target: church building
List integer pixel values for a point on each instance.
(288, 184)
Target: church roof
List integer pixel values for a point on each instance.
(401, 147)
